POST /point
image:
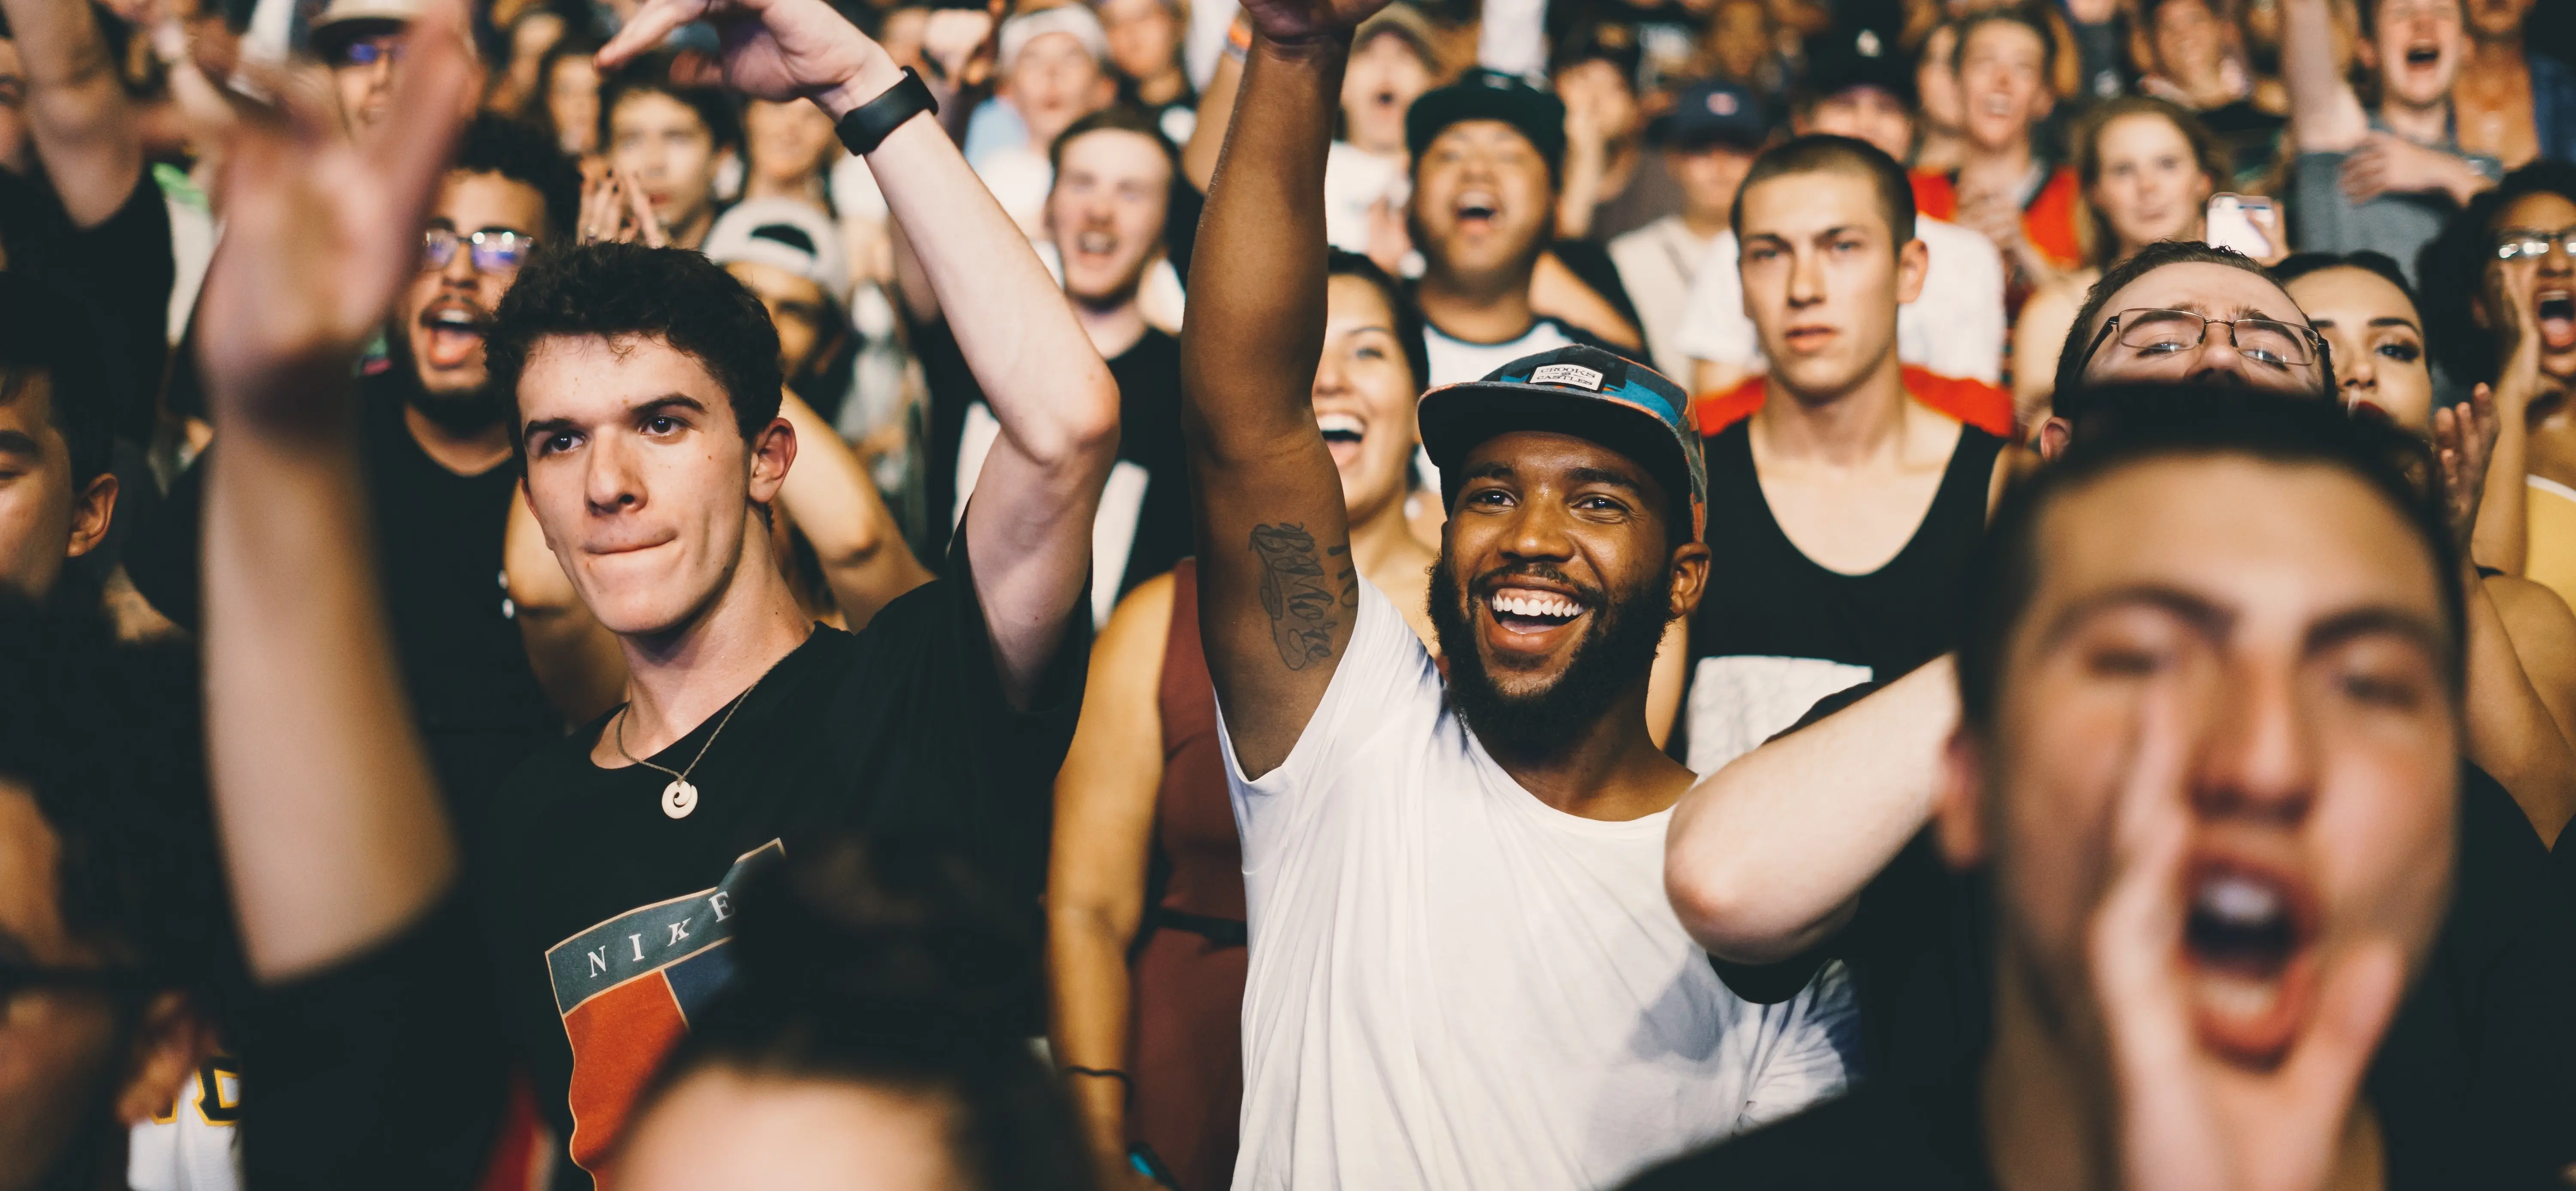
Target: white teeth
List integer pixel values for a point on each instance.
(2233, 996)
(1340, 424)
(1095, 242)
(2239, 902)
(1556, 607)
(454, 318)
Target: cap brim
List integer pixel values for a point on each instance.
(1455, 419)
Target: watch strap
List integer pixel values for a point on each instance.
(867, 125)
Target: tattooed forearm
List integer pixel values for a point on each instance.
(1297, 592)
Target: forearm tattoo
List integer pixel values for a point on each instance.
(1298, 593)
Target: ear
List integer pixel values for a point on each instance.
(170, 1041)
(1959, 817)
(1690, 577)
(93, 507)
(2054, 434)
(773, 451)
(1913, 264)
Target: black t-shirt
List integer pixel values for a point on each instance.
(439, 545)
(117, 275)
(606, 916)
(1149, 440)
(2474, 1084)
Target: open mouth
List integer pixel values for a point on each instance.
(2247, 943)
(2423, 55)
(1477, 212)
(455, 333)
(2557, 311)
(1095, 243)
(1384, 98)
(1532, 611)
(1342, 436)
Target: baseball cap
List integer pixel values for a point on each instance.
(1073, 19)
(783, 234)
(346, 20)
(1578, 390)
(1405, 21)
(1714, 113)
(1482, 94)
(1841, 59)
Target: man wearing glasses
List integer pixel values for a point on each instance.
(360, 40)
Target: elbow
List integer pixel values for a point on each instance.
(1721, 900)
(1088, 423)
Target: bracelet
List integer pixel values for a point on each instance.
(1103, 1073)
(867, 125)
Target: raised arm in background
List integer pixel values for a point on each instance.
(84, 128)
(2325, 115)
(1028, 533)
(331, 825)
(1278, 591)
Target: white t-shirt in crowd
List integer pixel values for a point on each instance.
(1454, 985)
(1456, 361)
(1355, 178)
(1656, 264)
(1955, 327)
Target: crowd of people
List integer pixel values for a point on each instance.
(1287, 594)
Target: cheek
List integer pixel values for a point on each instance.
(2383, 838)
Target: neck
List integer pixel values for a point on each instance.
(675, 680)
(1706, 224)
(2490, 54)
(1484, 308)
(1847, 428)
(1611, 772)
(465, 452)
(693, 234)
(807, 186)
(1114, 325)
(1163, 88)
(1997, 165)
(2429, 124)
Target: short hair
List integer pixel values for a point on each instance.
(494, 144)
(2452, 269)
(1819, 152)
(2131, 425)
(651, 75)
(2071, 354)
(2378, 264)
(2027, 18)
(2095, 228)
(671, 294)
(870, 962)
(107, 740)
(46, 337)
(1408, 313)
(1114, 118)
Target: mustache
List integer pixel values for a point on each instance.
(1487, 583)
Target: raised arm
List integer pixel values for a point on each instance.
(1767, 857)
(2325, 116)
(1028, 532)
(831, 498)
(1277, 588)
(332, 831)
(85, 131)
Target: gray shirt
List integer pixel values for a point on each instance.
(2323, 220)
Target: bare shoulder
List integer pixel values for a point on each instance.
(2529, 607)
(1141, 621)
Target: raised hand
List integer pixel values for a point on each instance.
(1291, 21)
(773, 49)
(2464, 439)
(2190, 1120)
(320, 230)
(614, 210)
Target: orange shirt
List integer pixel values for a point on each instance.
(2048, 219)
(1974, 402)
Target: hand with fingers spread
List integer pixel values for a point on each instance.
(2192, 1117)
(2464, 439)
(321, 230)
(614, 210)
(773, 49)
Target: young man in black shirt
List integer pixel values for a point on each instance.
(2206, 770)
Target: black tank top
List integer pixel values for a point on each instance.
(1776, 632)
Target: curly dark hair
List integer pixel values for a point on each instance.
(671, 294)
(520, 152)
(2452, 270)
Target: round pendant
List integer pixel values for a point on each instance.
(678, 799)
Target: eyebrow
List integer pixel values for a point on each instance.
(2379, 620)
(2388, 321)
(1603, 475)
(667, 401)
(2206, 618)
(19, 442)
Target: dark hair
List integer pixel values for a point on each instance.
(1819, 152)
(494, 144)
(1114, 118)
(2071, 354)
(106, 739)
(573, 44)
(46, 338)
(2026, 18)
(2102, 240)
(2130, 425)
(2452, 269)
(2299, 265)
(888, 965)
(1408, 314)
(671, 294)
(651, 74)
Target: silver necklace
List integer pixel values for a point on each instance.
(679, 798)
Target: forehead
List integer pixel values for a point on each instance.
(655, 109)
(2213, 290)
(1053, 49)
(2181, 12)
(2272, 541)
(472, 201)
(1793, 206)
(1354, 300)
(2142, 132)
(1545, 458)
(2545, 210)
(1117, 152)
(2002, 41)
(2346, 294)
(1488, 135)
(588, 377)
(27, 402)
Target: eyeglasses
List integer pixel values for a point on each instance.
(491, 251)
(2515, 243)
(2162, 334)
(368, 51)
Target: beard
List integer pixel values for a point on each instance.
(458, 411)
(1616, 652)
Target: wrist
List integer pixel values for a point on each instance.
(877, 74)
(1309, 49)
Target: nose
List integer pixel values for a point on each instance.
(2358, 374)
(2219, 363)
(1537, 532)
(1806, 280)
(611, 484)
(459, 270)
(2560, 260)
(2259, 759)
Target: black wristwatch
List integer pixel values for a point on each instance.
(868, 124)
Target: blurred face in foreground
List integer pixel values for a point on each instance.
(720, 1127)
(2228, 686)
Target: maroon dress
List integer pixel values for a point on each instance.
(1185, 1025)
